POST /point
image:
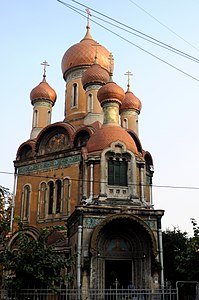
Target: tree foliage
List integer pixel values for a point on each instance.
(5, 210)
(181, 255)
(33, 263)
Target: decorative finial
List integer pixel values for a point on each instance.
(128, 73)
(45, 64)
(88, 18)
(88, 34)
(111, 66)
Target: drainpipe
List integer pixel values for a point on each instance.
(91, 181)
(151, 184)
(79, 254)
(13, 200)
(90, 198)
(142, 183)
(160, 252)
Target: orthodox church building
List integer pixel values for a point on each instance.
(90, 172)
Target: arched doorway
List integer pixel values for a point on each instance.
(122, 250)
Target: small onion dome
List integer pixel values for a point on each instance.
(131, 102)
(110, 92)
(83, 53)
(108, 134)
(43, 91)
(95, 74)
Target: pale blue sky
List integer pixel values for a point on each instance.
(36, 30)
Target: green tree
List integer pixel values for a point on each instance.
(5, 210)
(188, 260)
(34, 263)
(174, 243)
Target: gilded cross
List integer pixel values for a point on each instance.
(45, 64)
(88, 17)
(111, 64)
(129, 74)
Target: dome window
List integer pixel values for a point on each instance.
(74, 95)
(90, 103)
(117, 172)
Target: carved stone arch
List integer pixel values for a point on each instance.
(54, 138)
(81, 137)
(100, 229)
(30, 231)
(26, 150)
(148, 160)
(125, 246)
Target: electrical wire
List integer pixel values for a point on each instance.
(172, 31)
(140, 48)
(100, 181)
(149, 38)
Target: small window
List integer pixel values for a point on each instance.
(90, 103)
(74, 95)
(58, 194)
(26, 202)
(48, 117)
(125, 123)
(35, 118)
(50, 197)
(117, 172)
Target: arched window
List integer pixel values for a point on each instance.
(42, 200)
(117, 172)
(26, 202)
(66, 196)
(58, 187)
(48, 117)
(54, 199)
(50, 197)
(90, 103)
(35, 118)
(125, 123)
(74, 95)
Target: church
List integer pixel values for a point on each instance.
(90, 172)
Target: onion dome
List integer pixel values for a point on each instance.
(95, 74)
(106, 135)
(83, 53)
(131, 102)
(43, 91)
(110, 92)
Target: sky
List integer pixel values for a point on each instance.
(37, 30)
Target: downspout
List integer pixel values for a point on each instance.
(151, 184)
(160, 252)
(90, 198)
(79, 255)
(91, 181)
(13, 201)
(142, 183)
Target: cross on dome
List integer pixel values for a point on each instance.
(88, 18)
(111, 65)
(129, 74)
(45, 64)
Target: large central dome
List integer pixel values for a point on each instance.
(83, 54)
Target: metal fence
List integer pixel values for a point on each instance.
(91, 294)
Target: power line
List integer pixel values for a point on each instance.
(125, 39)
(148, 39)
(172, 31)
(100, 181)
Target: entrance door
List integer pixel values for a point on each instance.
(118, 274)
